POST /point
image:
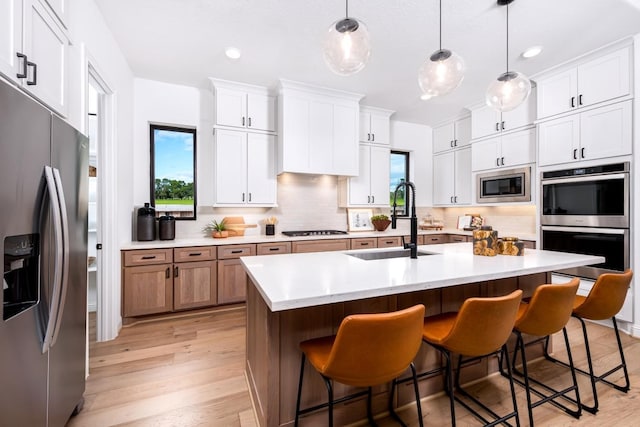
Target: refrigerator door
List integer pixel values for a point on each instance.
(67, 354)
(25, 145)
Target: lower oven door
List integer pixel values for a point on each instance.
(610, 243)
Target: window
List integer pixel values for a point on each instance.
(399, 172)
(173, 171)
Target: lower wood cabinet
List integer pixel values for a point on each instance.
(364, 243)
(147, 289)
(456, 238)
(232, 279)
(434, 239)
(389, 242)
(320, 245)
(194, 285)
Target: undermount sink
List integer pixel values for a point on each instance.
(402, 253)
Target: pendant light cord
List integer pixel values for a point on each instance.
(440, 24)
(507, 37)
(346, 9)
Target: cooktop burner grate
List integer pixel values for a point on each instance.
(312, 233)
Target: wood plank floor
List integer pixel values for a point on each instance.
(190, 372)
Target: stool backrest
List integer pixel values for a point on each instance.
(483, 325)
(549, 309)
(372, 349)
(606, 297)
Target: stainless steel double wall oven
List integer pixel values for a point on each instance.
(586, 211)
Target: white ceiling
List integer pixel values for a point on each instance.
(183, 42)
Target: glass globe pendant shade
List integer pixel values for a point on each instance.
(508, 91)
(441, 73)
(347, 46)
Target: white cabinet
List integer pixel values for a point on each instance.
(452, 135)
(33, 50)
(485, 121)
(318, 130)
(371, 186)
(374, 125)
(588, 83)
(244, 106)
(245, 171)
(593, 134)
(59, 7)
(511, 149)
(452, 177)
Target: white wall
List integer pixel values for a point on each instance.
(416, 139)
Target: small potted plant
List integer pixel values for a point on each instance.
(217, 229)
(380, 222)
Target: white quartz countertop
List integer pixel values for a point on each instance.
(209, 241)
(290, 281)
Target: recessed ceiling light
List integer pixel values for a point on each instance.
(532, 51)
(232, 52)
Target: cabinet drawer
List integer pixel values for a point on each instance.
(434, 239)
(273, 248)
(455, 238)
(236, 251)
(320, 245)
(388, 242)
(364, 243)
(147, 257)
(196, 253)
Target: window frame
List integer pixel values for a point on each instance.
(407, 156)
(173, 128)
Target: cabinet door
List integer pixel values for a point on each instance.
(557, 93)
(559, 140)
(443, 181)
(230, 167)
(484, 121)
(604, 78)
(261, 112)
(320, 133)
(10, 37)
(261, 169)
(518, 148)
(232, 281)
(46, 45)
(486, 154)
(364, 133)
(523, 115)
(294, 138)
(462, 170)
(379, 172)
(606, 132)
(462, 132)
(231, 107)
(147, 289)
(344, 159)
(443, 137)
(194, 285)
(360, 186)
(380, 129)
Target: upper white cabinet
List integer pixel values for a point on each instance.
(318, 130)
(593, 134)
(59, 7)
(245, 169)
(374, 125)
(452, 177)
(371, 186)
(588, 83)
(512, 149)
(452, 135)
(33, 50)
(244, 106)
(485, 121)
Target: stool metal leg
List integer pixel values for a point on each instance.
(302, 360)
(327, 382)
(417, 393)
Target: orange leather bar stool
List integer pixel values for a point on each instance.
(480, 328)
(368, 350)
(603, 302)
(546, 313)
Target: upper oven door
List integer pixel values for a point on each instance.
(590, 201)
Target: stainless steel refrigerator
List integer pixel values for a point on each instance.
(43, 236)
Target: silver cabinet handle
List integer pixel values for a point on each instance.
(24, 58)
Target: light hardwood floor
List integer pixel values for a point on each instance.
(190, 372)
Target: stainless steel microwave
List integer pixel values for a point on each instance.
(501, 186)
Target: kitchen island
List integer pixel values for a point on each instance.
(291, 298)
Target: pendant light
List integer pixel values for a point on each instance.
(511, 88)
(442, 72)
(346, 46)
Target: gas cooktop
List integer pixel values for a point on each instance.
(312, 233)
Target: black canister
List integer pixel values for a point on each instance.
(167, 227)
(146, 223)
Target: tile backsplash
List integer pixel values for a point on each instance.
(308, 202)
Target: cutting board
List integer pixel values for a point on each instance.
(236, 226)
